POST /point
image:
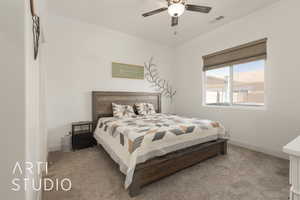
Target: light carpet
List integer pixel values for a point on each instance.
(240, 175)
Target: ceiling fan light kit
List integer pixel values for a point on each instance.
(176, 8)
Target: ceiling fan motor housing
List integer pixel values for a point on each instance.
(176, 1)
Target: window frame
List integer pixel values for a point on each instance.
(231, 105)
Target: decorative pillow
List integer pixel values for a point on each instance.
(122, 110)
(145, 108)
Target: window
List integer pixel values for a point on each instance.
(248, 83)
(218, 86)
(240, 84)
(235, 76)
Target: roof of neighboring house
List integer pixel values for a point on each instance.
(242, 80)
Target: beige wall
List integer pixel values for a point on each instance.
(266, 130)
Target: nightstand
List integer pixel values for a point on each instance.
(82, 135)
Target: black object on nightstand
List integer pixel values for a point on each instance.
(82, 135)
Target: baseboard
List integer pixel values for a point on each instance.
(278, 154)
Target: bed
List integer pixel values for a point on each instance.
(148, 148)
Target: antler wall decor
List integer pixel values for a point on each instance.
(161, 85)
(35, 29)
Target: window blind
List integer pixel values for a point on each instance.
(252, 51)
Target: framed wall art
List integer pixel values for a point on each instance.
(120, 70)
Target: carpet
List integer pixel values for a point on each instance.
(240, 175)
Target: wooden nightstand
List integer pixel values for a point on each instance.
(82, 135)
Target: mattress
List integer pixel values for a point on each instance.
(133, 140)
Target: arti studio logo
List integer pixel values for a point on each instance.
(27, 177)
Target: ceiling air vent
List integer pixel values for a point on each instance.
(217, 19)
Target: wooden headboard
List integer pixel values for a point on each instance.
(101, 101)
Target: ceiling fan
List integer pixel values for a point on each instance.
(176, 8)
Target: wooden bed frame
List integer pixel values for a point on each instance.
(151, 170)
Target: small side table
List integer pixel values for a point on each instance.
(293, 149)
(82, 135)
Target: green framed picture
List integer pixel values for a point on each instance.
(121, 70)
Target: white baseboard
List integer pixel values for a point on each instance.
(278, 154)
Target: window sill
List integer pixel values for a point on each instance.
(236, 107)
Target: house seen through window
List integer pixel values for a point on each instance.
(241, 84)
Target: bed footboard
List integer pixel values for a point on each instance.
(159, 167)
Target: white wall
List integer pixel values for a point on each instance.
(78, 61)
(266, 130)
(20, 98)
(79, 55)
(36, 145)
(12, 95)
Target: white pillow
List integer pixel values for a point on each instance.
(122, 110)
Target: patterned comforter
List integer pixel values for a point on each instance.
(145, 137)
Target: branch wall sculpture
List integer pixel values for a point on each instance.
(161, 85)
(35, 29)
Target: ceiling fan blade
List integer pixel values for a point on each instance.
(195, 8)
(175, 21)
(154, 12)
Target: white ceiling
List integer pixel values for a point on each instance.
(125, 16)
